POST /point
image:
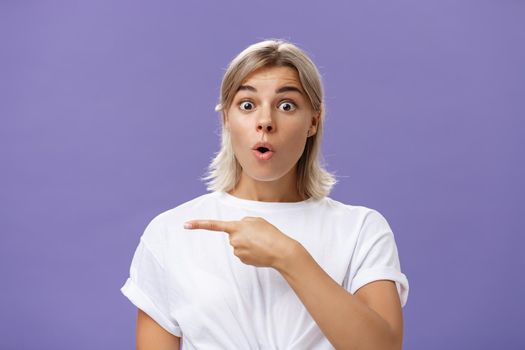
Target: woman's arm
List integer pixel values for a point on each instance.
(370, 319)
(151, 336)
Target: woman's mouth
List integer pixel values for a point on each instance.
(262, 153)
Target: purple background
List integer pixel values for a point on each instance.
(107, 120)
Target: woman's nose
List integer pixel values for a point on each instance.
(265, 122)
(265, 126)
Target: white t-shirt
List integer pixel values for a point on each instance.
(191, 283)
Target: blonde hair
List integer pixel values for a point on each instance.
(224, 171)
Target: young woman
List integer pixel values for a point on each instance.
(266, 260)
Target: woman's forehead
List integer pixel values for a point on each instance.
(279, 90)
(285, 74)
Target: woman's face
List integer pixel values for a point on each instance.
(270, 106)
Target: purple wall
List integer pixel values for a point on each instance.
(107, 119)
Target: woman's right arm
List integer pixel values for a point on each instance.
(151, 336)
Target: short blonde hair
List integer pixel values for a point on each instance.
(224, 171)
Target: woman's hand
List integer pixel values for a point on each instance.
(255, 241)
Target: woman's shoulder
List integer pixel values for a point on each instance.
(347, 208)
(162, 225)
(185, 207)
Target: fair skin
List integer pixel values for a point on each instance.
(259, 113)
(151, 336)
(369, 319)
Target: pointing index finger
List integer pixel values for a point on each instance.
(212, 225)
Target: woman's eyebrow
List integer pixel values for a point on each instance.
(278, 91)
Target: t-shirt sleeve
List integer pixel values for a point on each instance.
(376, 257)
(146, 286)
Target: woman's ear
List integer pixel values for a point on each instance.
(315, 123)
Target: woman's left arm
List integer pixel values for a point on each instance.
(369, 319)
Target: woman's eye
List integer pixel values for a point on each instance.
(246, 105)
(288, 106)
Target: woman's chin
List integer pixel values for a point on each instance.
(264, 175)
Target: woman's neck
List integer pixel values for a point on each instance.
(281, 190)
